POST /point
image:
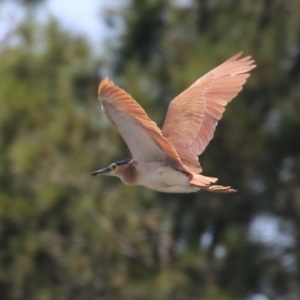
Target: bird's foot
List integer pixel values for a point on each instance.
(221, 189)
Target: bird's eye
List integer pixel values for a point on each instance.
(113, 167)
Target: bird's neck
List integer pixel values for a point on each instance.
(129, 173)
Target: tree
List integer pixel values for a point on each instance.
(65, 235)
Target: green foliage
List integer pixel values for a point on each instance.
(65, 235)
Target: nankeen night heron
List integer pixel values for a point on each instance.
(167, 160)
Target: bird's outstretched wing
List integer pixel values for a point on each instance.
(142, 136)
(193, 115)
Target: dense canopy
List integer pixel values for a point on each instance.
(66, 235)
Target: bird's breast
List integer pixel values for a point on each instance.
(164, 179)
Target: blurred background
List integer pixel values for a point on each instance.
(66, 235)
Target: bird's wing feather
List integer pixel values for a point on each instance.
(193, 115)
(142, 136)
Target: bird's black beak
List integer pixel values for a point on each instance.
(104, 170)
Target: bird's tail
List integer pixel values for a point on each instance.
(206, 183)
(202, 181)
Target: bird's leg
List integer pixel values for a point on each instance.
(220, 189)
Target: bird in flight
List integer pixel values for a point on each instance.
(166, 160)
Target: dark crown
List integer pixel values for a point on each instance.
(123, 162)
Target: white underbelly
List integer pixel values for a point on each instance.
(165, 179)
(174, 189)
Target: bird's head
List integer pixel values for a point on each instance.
(115, 169)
